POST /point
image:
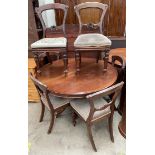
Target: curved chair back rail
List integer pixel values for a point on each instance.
(54, 104)
(119, 59)
(95, 108)
(52, 6)
(120, 64)
(42, 91)
(86, 5)
(113, 90)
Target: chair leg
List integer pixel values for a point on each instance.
(53, 115)
(80, 58)
(65, 59)
(110, 121)
(91, 137)
(77, 60)
(74, 117)
(42, 112)
(106, 59)
(98, 57)
(36, 58)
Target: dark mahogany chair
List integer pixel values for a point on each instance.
(119, 63)
(55, 105)
(56, 45)
(95, 42)
(94, 108)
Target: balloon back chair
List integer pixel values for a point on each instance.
(56, 45)
(95, 42)
(55, 105)
(94, 108)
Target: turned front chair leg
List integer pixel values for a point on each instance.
(106, 59)
(80, 59)
(36, 58)
(77, 60)
(98, 57)
(65, 59)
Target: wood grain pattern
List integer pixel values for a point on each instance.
(114, 21)
(90, 79)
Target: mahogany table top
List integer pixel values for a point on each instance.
(90, 79)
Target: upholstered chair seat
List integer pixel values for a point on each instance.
(96, 107)
(56, 101)
(92, 40)
(55, 105)
(50, 42)
(82, 106)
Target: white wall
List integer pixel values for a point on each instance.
(49, 15)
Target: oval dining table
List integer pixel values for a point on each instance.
(90, 79)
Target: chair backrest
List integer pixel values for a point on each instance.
(86, 5)
(121, 66)
(42, 91)
(113, 90)
(119, 59)
(52, 6)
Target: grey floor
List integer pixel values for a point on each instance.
(66, 139)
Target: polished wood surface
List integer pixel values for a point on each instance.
(90, 79)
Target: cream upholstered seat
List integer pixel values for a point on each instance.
(92, 39)
(95, 107)
(56, 101)
(50, 42)
(82, 106)
(55, 105)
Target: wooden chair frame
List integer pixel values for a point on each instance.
(115, 90)
(104, 49)
(86, 5)
(121, 69)
(43, 91)
(39, 52)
